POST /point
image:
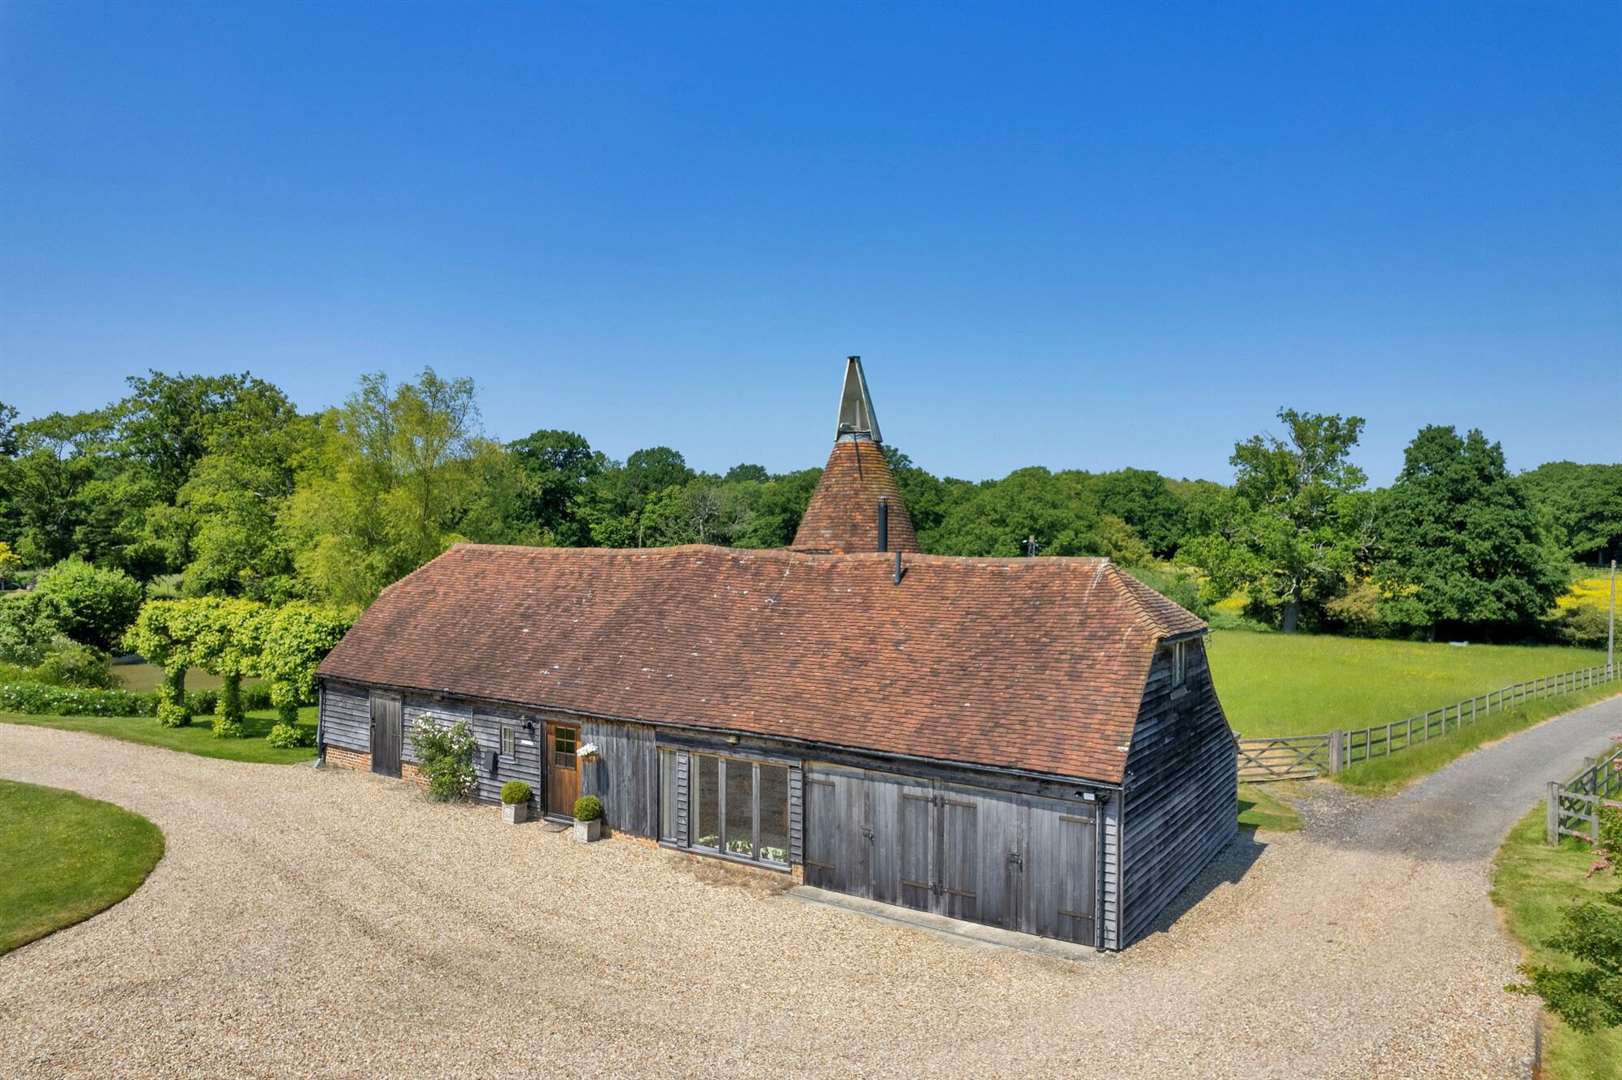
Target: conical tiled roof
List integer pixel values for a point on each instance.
(843, 516)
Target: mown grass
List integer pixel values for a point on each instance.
(197, 739)
(1302, 684)
(1260, 807)
(1387, 774)
(1532, 884)
(64, 857)
(140, 678)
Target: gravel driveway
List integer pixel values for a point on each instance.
(331, 923)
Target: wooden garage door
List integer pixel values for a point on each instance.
(1014, 861)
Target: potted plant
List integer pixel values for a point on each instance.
(515, 802)
(588, 818)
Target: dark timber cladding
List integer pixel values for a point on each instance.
(1033, 743)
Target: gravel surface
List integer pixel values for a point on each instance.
(330, 923)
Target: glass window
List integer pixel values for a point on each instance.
(1179, 662)
(508, 738)
(667, 795)
(705, 822)
(740, 808)
(563, 739)
(774, 814)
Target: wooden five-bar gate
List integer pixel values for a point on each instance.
(1575, 807)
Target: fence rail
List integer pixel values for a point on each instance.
(1299, 757)
(1574, 807)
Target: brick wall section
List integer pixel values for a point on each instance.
(339, 758)
(411, 774)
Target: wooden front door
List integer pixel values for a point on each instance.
(562, 768)
(386, 734)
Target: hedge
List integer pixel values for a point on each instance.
(42, 699)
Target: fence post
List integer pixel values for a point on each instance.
(1336, 752)
(1551, 814)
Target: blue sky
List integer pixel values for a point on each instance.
(1066, 237)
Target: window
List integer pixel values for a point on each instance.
(1179, 663)
(563, 747)
(667, 796)
(509, 739)
(736, 807)
(705, 821)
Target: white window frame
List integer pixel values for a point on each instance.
(1179, 664)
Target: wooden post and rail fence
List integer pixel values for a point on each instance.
(1302, 757)
(1574, 808)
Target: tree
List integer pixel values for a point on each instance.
(297, 638)
(10, 563)
(225, 638)
(382, 487)
(29, 623)
(1142, 499)
(97, 605)
(1295, 522)
(162, 634)
(1461, 548)
(1584, 507)
(1059, 510)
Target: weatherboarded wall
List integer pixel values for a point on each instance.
(1181, 801)
(346, 717)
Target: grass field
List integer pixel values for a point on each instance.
(139, 678)
(1532, 884)
(197, 739)
(67, 857)
(1301, 684)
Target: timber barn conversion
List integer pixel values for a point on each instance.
(1033, 743)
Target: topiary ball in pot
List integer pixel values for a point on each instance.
(515, 802)
(588, 818)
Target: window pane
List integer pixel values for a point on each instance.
(774, 813)
(706, 822)
(563, 741)
(741, 809)
(667, 795)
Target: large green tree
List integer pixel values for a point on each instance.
(1461, 548)
(1291, 531)
(384, 485)
(1584, 507)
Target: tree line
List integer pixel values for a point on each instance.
(217, 485)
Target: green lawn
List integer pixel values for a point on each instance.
(197, 739)
(140, 678)
(1302, 684)
(64, 857)
(1532, 884)
(1260, 807)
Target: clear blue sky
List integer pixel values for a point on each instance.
(1064, 237)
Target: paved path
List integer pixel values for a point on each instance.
(330, 923)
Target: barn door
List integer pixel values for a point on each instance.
(957, 877)
(385, 734)
(1061, 897)
(918, 842)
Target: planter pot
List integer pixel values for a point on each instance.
(587, 831)
(515, 813)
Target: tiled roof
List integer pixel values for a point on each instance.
(843, 513)
(1036, 664)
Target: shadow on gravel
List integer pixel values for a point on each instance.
(1229, 867)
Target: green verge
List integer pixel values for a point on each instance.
(1387, 774)
(197, 739)
(1304, 684)
(1532, 884)
(1260, 807)
(64, 857)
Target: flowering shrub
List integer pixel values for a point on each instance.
(42, 699)
(445, 754)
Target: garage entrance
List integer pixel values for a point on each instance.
(1015, 861)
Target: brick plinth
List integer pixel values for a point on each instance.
(340, 758)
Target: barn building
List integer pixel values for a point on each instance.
(1033, 743)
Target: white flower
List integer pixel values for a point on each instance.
(588, 750)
